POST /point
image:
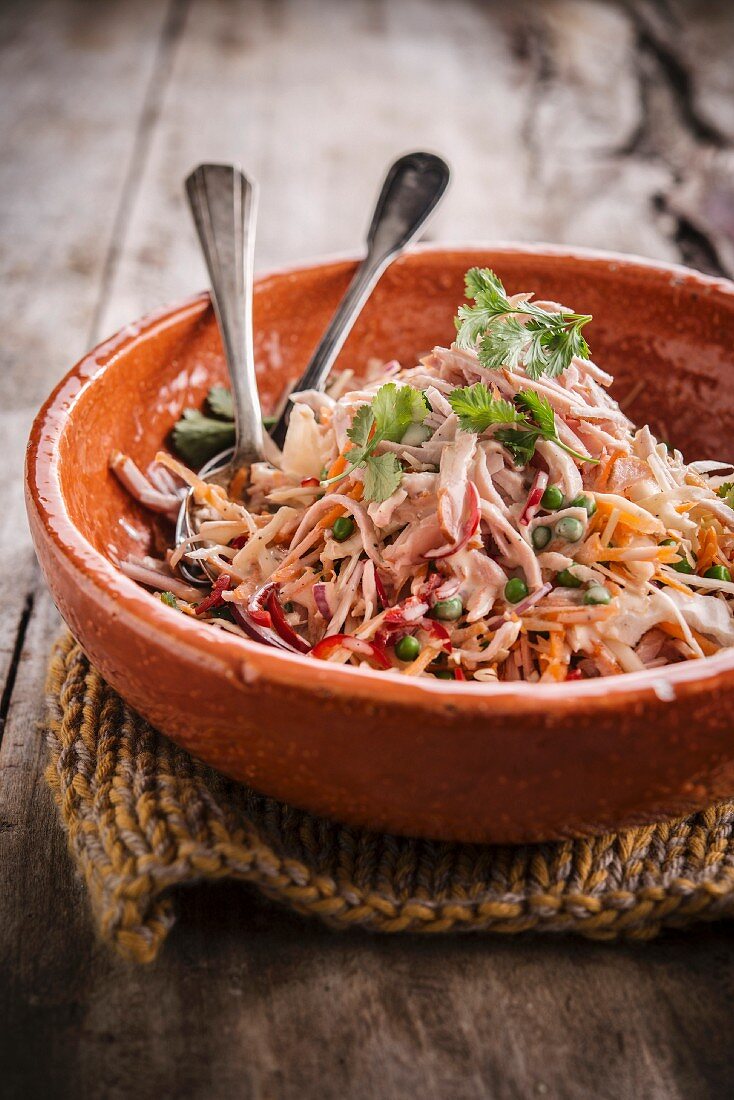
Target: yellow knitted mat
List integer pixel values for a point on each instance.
(143, 817)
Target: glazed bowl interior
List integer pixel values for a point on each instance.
(503, 762)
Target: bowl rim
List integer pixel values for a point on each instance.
(141, 611)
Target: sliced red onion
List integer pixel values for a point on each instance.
(521, 607)
(321, 599)
(534, 497)
(263, 620)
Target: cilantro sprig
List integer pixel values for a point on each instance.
(726, 492)
(477, 409)
(198, 436)
(386, 419)
(545, 344)
(532, 416)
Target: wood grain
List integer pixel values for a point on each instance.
(606, 124)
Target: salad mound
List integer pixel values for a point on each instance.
(488, 514)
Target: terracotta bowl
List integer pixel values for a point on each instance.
(504, 763)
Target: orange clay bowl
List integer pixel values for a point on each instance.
(456, 761)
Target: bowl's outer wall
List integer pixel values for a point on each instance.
(381, 753)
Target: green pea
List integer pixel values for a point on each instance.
(570, 529)
(682, 566)
(596, 594)
(718, 573)
(448, 610)
(583, 501)
(669, 542)
(552, 498)
(515, 590)
(444, 674)
(541, 536)
(566, 579)
(342, 528)
(408, 648)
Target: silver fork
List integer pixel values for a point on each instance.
(223, 204)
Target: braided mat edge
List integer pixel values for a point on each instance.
(143, 817)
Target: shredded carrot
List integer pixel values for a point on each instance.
(558, 662)
(677, 585)
(675, 631)
(337, 467)
(338, 510)
(708, 551)
(605, 469)
(238, 483)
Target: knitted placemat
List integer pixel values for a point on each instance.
(142, 817)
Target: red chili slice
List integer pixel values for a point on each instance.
(373, 650)
(214, 599)
(438, 631)
(380, 589)
(534, 497)
(471, 523)
(310, 482)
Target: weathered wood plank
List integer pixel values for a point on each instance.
(71, 90)
(246, 1000)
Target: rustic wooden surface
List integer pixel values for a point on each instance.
(603, 124)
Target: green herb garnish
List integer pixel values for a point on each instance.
(477, 409)
(545, 344)
(533, 420)
(198, 436)
(726, 492)
(169, 600)
(539, 423)
(219, 400)
(386, 419)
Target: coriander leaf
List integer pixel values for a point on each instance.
(726, 492)
(219, 400)
(491, 302)
(479, 280)
(197, 438)
(395, 408)
(541, 413)
(545, 344)
(391, 412)
(477, 409)
(504, 345)
(520, 444)
(361, 427)
(169, 599)
(382, 476)
(539, 408)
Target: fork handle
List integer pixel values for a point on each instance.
(413, 187)
(223, 203)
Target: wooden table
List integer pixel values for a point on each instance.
(593, 123)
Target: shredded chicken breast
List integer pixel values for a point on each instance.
(473, 567)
